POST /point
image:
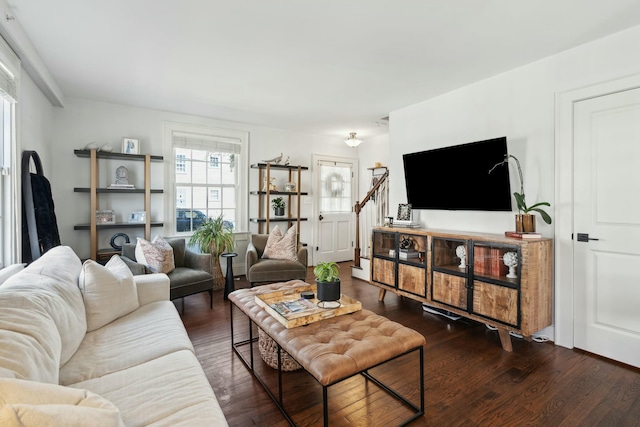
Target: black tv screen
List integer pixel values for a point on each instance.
(458, 178)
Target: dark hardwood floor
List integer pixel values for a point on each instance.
(469, 379)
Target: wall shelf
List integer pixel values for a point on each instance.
(265, 217)
(93, 190)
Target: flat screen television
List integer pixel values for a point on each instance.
(458, 178)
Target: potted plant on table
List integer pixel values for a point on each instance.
(278, 206)
(525, 220)
(214, 236)
(327, 281)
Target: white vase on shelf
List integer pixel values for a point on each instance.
(511, 260)
(461, 252)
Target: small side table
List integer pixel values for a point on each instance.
(228, 283)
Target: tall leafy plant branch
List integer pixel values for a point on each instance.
(520, 199)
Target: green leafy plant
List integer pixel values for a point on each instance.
(214, 236)
(278, 202)
(520, 198)
(327, 272)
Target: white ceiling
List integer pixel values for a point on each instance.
(326, 67)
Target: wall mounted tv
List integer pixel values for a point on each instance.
(457, 177)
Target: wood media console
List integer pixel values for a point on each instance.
(465, 273)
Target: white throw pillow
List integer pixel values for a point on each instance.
(281, 247)
(157, 255)
(109, 291)
(9, 271)
(29, 403)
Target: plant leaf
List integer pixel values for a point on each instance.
(545, 216)
(539, 204)
(520, 202)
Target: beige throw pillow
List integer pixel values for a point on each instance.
(157, 255)
(29, 403)
(109, 291)
(281, 247)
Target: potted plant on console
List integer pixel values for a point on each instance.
(278, 206)
(328, 284)
(214, 236)
(525, 220)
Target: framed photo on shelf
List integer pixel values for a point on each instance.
(404, 212)
(105, 217)
(130, 146)
(138, 216)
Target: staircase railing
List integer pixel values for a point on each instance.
(374, 214)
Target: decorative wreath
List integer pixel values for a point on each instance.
(113, 241)
(334, 185)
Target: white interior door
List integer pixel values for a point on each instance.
(335, 184)
(607, 208)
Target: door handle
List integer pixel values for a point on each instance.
(320, 217)
(584, 237)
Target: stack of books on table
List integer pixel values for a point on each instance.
(522, 235)
(121, 187)
(408, 254)
(405, 224)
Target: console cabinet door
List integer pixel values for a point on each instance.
(496, 302)
(450, 272)
(449, 289)
(412, 279)
(496, 287)
(384, 271)
(412, 249)
(384, 257)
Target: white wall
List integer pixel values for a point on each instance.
(83, 121)
(35, 123)
(521, 105)
(371, 150)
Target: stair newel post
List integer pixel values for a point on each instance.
(356, 250)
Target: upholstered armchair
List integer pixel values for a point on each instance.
(192, 274)
(268, 270)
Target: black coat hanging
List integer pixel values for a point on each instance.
(39, 223)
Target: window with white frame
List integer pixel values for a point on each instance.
(214, 160)
(181, 163)
(207, 180)
(9, 226)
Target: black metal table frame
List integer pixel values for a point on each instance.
(419, 411)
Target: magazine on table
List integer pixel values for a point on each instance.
(296, 306)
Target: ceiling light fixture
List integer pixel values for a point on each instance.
(352, 141)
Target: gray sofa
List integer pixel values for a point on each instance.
(192, 274)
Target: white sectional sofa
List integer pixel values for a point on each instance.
(85, 344)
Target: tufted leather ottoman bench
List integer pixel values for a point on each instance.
(333, 349)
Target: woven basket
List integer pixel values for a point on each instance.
(269, 353)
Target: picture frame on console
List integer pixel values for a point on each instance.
(404, 212)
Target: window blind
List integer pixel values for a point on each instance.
(207, 143)
(9, 71)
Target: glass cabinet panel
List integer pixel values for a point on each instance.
(384, 244)
(450, 255)
(496, 261)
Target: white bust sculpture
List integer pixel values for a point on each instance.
(122, 175)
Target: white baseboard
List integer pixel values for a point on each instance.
(362, 273)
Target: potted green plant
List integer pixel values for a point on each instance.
(214, 236)
(278, 206)
(327, 281)
(525, 220)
